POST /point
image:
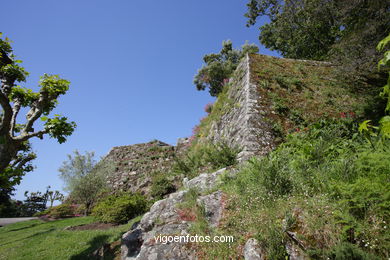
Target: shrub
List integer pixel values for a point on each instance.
(350, 251)
(61, 211)
(161, 186)
(80, 209)
(119, 208)
(42, 213)
(208, 108)
(206, 157)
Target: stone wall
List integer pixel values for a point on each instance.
(243, 124)
(133, 166)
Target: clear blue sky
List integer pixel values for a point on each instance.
(130, 63)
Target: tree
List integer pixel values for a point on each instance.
(338, 30)
(7, 205)
(53, 196)
(220, 66)
(84, 178)
(15, 150)
(35, 202)
(75, 168)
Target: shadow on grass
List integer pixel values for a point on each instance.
(21, 228)
(31, 236)
(94, 244)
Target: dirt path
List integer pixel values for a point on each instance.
(7, 221)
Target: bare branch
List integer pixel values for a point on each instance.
(15, 112)
(35, 112)
(25, 136)
(4, 102)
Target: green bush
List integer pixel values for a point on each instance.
(161, 186)
(80, 209)
(42, 213)
(61, 211)
(119, 208)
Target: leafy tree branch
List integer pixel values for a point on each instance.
(15, 150)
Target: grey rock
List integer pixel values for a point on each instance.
(295, 252)
(162, 211)
(204, 181)
(252, 250)
(131, 244)
(162, 219)
(213, 207)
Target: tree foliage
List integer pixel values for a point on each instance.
(343, 31)
(15, 150)
(377, 134)
(84, 178)
(75, 168)
(35, 202)
(219, 67)
(53, 196)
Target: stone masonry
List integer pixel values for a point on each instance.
(243, 125)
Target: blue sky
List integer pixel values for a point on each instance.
(130, 63)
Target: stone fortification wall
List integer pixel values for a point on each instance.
(133, 166)
(243, 124)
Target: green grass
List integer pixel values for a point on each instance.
(299, 93)
(326, 184)
(48, 240)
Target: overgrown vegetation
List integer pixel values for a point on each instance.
(296, 94)
(206, 158)
(326, 185)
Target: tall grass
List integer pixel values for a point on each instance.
(325, 184)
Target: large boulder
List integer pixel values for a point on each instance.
(149, 239)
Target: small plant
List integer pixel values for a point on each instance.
(120, 208)
(350, 251)
(208, 108)
(161, 186)
(206, 157)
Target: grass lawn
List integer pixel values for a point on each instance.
(38, 240)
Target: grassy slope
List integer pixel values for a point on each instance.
(299, 93)
(325, 183)
(48, 240)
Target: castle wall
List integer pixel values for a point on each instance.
(243, 124)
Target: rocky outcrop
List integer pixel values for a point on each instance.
(252, 250)
(204, 181)
(145, 241)
(132, 166)
(213, 206)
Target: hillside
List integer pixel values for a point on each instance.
(313, 188)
